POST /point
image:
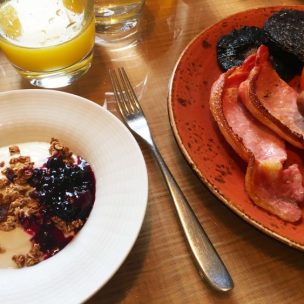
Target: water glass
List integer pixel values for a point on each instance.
(117, 16)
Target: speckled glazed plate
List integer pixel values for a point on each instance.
(97, 251)
(198, 136)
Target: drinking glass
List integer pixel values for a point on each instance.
(49, 42)
(117, 17)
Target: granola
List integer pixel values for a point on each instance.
(33, 257)
(15, 197)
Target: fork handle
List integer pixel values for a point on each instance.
(210, 265)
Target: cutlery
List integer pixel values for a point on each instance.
(210, 265)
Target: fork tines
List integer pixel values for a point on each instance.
(123, 91)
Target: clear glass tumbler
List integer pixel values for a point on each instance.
(117, 16)
(49, 42)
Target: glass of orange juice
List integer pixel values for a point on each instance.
(49, 42)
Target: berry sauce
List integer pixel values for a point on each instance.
(66, 191)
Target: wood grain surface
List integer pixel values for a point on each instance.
(159, 269)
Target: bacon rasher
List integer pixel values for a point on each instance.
(269, 185)
(272, 101)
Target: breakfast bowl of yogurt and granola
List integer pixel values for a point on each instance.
(69, 214)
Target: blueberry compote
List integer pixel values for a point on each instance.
(65, 191)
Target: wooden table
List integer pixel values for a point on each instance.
(159, 269)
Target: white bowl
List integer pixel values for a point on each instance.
(95, 254)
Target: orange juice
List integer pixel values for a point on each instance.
(52, 57)
(42, 36)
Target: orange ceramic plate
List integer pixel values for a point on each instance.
(198, 136)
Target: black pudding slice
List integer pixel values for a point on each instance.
(64, 190)
(286, 64)
(286, 31)
(233, 48)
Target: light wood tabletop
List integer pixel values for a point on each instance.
(159, 268)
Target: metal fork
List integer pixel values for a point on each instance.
(209, 264)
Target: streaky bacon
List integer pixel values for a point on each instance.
(267, 183)
(275, 189)
(272, 101)
(244, 133)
